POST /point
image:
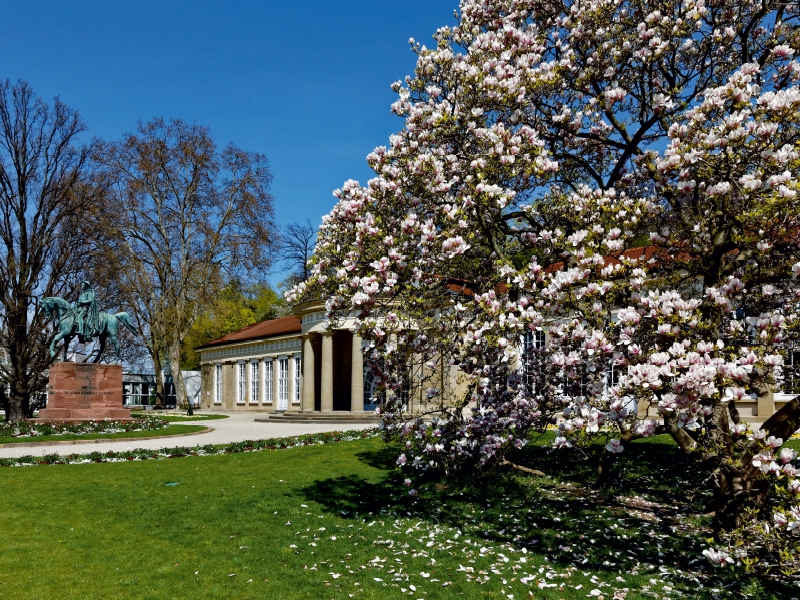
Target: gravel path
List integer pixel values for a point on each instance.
(239, 426)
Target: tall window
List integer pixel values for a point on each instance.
(532, 341)
(254, 381)
(242, 383)
(612, 376)
(283, 382)
(791, 372)
(218, 384)
(370, 381)
(268, 381)
(296, 379)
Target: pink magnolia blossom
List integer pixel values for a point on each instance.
(513, 201)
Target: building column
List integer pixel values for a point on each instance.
(275, 367)
(308, 374)
(326, 391)
(291, 406)
(357, 377)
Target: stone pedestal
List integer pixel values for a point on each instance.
(84, 392)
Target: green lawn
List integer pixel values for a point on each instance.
(167, 431)
(335, 521)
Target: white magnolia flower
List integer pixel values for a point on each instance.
(718, 558)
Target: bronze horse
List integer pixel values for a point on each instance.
(62, 310)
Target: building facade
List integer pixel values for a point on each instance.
(290, 364)
(296, 364)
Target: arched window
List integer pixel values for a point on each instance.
(371, 402)
(374, 397)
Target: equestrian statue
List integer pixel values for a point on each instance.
(84, 321)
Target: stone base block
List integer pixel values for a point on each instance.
(68, 414)
(84, 392)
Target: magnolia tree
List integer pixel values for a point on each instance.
(622, 175)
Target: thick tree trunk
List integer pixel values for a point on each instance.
(155, 351)
(786, 421)
(19, 405)
(177, 377)
(159, 372)
(604, 464)
(19, 395)
(16, 407)
(746, 487)
(734, 492)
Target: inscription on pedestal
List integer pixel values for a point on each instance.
(84, 391)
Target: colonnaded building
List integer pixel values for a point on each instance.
(295, 364)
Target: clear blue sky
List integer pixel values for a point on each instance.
(306, 83)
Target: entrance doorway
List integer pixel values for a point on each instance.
(283, 383)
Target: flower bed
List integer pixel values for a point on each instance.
(181, 451)
(26, 429)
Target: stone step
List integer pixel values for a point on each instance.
(343, 418)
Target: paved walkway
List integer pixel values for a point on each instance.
(239, 426)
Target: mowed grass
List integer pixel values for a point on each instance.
(153, 433)
(335, 521)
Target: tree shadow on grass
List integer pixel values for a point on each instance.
(384, 458)
(352, 496)
(647, 518)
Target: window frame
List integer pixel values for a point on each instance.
(241, 381)
(255, 381)
(532, 339)
(217, 383)
(269, 381)
(791, 372)
(283, 381)
(296, 399)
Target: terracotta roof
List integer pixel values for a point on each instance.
(642, 254)
(264, 329)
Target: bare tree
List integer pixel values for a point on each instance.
(189, 215)
(48, 214)
(296, 246)
(116, 283)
